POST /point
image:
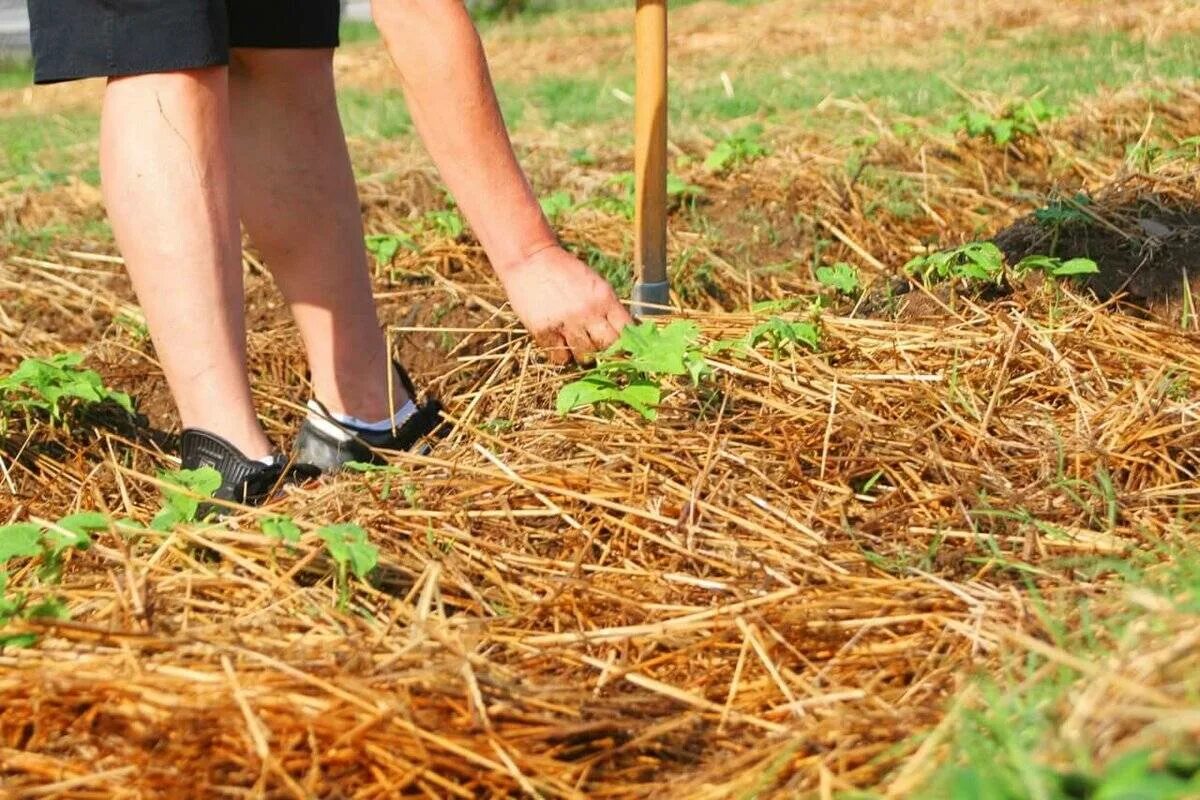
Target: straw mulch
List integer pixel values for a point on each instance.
(776, 587)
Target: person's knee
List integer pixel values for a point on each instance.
(280, 64)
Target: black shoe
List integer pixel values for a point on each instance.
(328, 445)
(243, 480)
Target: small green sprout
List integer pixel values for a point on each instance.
(841, 277)
(737, 149)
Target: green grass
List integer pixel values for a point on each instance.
(15, 73)
(1065, 67)
(41, 150)
(1001, 744)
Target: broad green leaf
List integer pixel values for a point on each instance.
(79, 527)
(347, 544)
(20, 540)
(841, 276)
(1077, 266)
(202, 482)
(282, 528)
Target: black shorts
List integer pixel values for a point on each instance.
(104, 38)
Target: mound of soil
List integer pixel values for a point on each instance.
(1148, 251)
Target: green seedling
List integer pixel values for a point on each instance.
(348, 546)
(56, 386)
(283, 529)
(557, 204)
(1143, 156)
(1055, 267)
(631, 371)
(1059, 214)
(1015, 121)
(49, 542)
(446, 222)
(783, 335)
(737, 149)
(679, 192)
(385, 246)
(183, 504)
(978, 261)
(841, 277)
(16, 607)
(580, 157)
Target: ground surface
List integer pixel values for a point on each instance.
(948, 552)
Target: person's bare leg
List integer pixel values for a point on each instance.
(298, 200)
(165, 159)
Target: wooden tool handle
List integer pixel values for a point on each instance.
(650, 155)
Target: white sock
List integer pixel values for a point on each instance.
(319, 418)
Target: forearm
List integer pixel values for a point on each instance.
(453, 104)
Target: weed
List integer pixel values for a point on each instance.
(679, 193)
(978, 261)
(446, 222)
(385, 246)
(630, 372)
(1055, 267)
(184, 504)
(556, 204)
(841, 277)
(737, 149)
(348, 546)
(49, 542)
(1018, 119)
(283, 529)
(56, 386)
(783, 335)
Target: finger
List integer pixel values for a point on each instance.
(580, 343)
(602, 333)
(618, 317)
(554, 346)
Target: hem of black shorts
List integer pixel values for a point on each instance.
(335, 44)
(42, 78)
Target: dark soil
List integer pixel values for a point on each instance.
(1148, 252)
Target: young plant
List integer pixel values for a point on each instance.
(738, 149)
(1055, 267)
(841, 277)
(183, 504)
(556, 204)
(49, 542)
(978, 261)
(631, 371)
(385, 246)
(1017, 120)
(447, 222)
(783, 335)
(679, 192)
(56, 386)
(348, 546)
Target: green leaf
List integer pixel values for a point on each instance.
(1077, 266)
(385, 246)
(20, 540)
(79, 528)
(202, 482)
(841, 276)
(556, 204)
(347, 544)
(282, 528)
(48, 609)
(658, 351)
(642, 395)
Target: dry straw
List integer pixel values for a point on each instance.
(773, 588)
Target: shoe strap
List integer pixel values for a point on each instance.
(243, 479)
